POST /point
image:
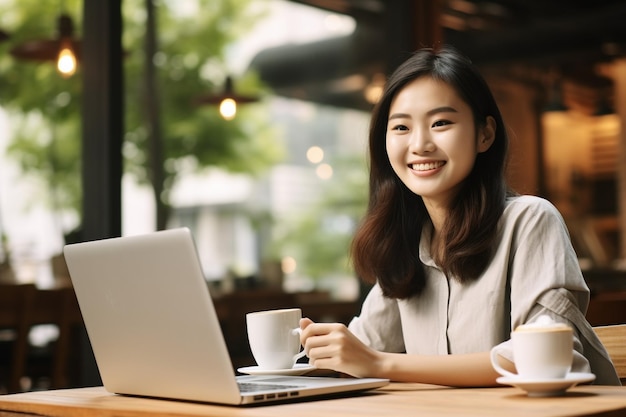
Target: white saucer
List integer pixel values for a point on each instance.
(547, 387)
(298, 369)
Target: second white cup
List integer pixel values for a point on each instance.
(539, 351)
(274, 337)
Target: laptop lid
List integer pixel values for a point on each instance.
(154, 330)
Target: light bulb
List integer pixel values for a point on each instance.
(228, 108)
(66, 63)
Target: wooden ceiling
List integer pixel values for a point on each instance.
(571, 35)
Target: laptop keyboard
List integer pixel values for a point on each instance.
(255, 386)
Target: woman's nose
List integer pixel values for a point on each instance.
(421, 142)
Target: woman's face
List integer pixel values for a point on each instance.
(431, 139)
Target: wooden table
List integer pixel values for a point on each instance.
(396, 399)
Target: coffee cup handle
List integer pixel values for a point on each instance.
(297, 356)
(496, 364)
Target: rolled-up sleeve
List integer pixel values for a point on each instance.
(542, 260)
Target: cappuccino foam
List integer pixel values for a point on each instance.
(543, 324)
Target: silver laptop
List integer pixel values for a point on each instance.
(154, 330)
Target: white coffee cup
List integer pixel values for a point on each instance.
(274, 337)
(541, 350)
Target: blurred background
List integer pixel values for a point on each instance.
(247, 121)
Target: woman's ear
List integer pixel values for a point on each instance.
(487, 134)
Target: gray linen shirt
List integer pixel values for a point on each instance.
(534, 271)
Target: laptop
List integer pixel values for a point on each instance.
(154, 330)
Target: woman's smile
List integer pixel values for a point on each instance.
(423, 167)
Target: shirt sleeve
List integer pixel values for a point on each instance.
(542, 259)
(379, 324)
(543, 266)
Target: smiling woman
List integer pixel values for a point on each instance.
(432, 141)
(457, 259)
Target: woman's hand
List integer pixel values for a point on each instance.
(333, 346)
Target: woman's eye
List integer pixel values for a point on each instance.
(399, 127)
(440, 123)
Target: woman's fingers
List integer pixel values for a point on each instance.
(324, 340)
(304, 322)
(333, 346)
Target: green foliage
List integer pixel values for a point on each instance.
(190, 62)
(42, 105)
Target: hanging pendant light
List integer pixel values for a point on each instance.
(64, 49)
(228, 100)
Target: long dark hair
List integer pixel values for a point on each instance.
(385, 248)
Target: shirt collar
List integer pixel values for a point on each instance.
(424, 248)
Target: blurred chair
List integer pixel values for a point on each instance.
(15, 301)
(58, 307)
(21, 308)
(614, 340)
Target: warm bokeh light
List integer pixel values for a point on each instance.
(288, 265)
(66, 63)
(228, 108)
(374, 90)
(324, 171)
(315, 154)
